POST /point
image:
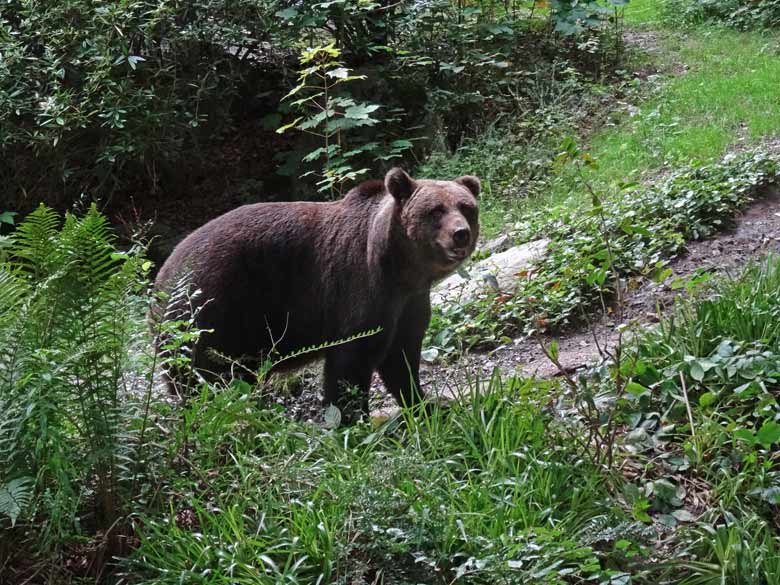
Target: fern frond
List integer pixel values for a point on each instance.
(12, 293)
(11, 423)
(15, 497)
(87, 247)
(34, 241)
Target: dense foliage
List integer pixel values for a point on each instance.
(69, 307)
(134, 97)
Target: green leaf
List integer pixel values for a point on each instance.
(15, 496)
(683, 515)
(635, 389)
(661, 275)
(338, 73)
(697, 372)
(7, 217)
(553, 349)
(133, 60)
(429, 355)
(768, 433)
(315, 154)
(707, 399)
(745, 435)
(361, 111)
(287, 13)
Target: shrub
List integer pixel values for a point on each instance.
(105, 99)
(97, 95)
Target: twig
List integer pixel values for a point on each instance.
(687, 405)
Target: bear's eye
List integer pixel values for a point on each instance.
(468, 211)
(437, 212)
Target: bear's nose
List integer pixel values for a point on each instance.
(461, 237)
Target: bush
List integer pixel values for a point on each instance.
(99, 95)
(123, 98)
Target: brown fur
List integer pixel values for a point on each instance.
(291, 275)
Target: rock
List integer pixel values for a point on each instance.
(500, 271)
(499, 244)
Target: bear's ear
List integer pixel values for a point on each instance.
(399, 184)
(471, 183)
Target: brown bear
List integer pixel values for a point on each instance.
(278, 277)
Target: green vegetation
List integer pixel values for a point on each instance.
(660, 465)
(726, 348)
(485, 490)
(741, 15)
(630, 233)
(70, 323)
(713, 368)
(137, 97)
(727, 96)
(498, 485)
(643, 12)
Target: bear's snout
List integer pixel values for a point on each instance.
(461, 237)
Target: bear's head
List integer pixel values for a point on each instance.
(440, 218)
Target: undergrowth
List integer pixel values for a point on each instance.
(643, 227)
(70, 326)
(487, 489)
(706, 426)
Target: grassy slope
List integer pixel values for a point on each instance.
(727, 94)
(718, 89)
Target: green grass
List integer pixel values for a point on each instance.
(728, 94)
(489, 489)
(642, 12)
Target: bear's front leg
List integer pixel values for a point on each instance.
(400, 370)
(347, 382)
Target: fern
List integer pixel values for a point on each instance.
(15, 497)
(70, 308)
(34, 241)
(12, 292)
